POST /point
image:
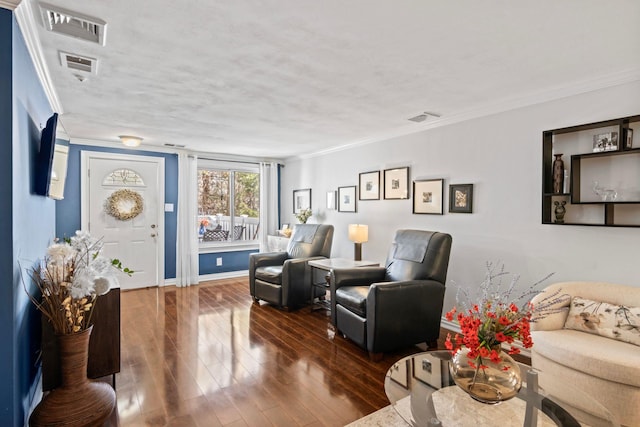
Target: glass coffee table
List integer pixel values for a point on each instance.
(423, 393)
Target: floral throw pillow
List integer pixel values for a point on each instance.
(608, 320)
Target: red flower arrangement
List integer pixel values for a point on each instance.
(496, 319)
(486, 327)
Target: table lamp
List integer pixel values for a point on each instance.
(358, 234)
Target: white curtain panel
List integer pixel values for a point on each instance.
(187, 236)
(268, 202)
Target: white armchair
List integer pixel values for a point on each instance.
(607, 369)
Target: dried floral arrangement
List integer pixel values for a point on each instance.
(71, 277)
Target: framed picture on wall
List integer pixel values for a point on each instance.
(301, 200)
(396, 183)
(370, 185)
(461, 198)
(331, 200)
(427, 197)
(347, 199)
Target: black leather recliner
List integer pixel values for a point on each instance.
(386, 308)
(284, 278)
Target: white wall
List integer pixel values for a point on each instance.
(501, 155)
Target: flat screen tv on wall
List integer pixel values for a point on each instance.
(51, 167)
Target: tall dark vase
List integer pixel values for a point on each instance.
(78, 401)
(558, 174)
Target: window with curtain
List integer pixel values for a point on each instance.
(228, 203)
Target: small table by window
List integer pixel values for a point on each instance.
(328, 264)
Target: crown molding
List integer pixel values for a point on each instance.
(29, 27)
(9, 4)
(173, 150)
(532, 98)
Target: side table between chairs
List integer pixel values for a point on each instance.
(327, 265)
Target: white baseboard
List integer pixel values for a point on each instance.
(213, 276)
(226, 275)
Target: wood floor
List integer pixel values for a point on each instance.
(207, 355)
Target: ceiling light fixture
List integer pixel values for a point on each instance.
(130, 141)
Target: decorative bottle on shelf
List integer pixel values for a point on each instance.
(559, 211)
(558, 174)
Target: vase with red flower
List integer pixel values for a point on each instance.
(495, 319)
(489, 378)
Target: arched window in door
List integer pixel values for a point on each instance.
(123, 177)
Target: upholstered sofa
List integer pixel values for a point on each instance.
(583, 343)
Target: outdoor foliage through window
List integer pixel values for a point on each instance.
(228, 205)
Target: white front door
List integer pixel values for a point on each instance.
(138, 242)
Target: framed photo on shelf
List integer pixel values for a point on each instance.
(370, 185)
(347, 199)
(461, 198)
(331, 200)
(629, 142)
(301, 200)
(605, 142)
(427, 196)
(396, 183)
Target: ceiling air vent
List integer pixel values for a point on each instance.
(423, 117)
(168, 144)
(73, 24)
(75, 62)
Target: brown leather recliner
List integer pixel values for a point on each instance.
(284, 278)
(386, 308)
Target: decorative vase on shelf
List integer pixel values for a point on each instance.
(78, 401)
(485, 380)
(558, 174)
(559, 211)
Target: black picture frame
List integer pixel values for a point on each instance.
(301, 200)
(369, 185)
(347, 199)
(396, 183)
(461, 198)
(428, 196)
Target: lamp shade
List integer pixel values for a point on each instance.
(358, 233)
(130, 141)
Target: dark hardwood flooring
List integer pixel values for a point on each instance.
(207, 355)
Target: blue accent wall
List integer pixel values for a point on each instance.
(27, 223)
(231, 261)
(7, 399)
(68, 210)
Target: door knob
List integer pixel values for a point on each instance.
(153, 226)
(153, 235)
